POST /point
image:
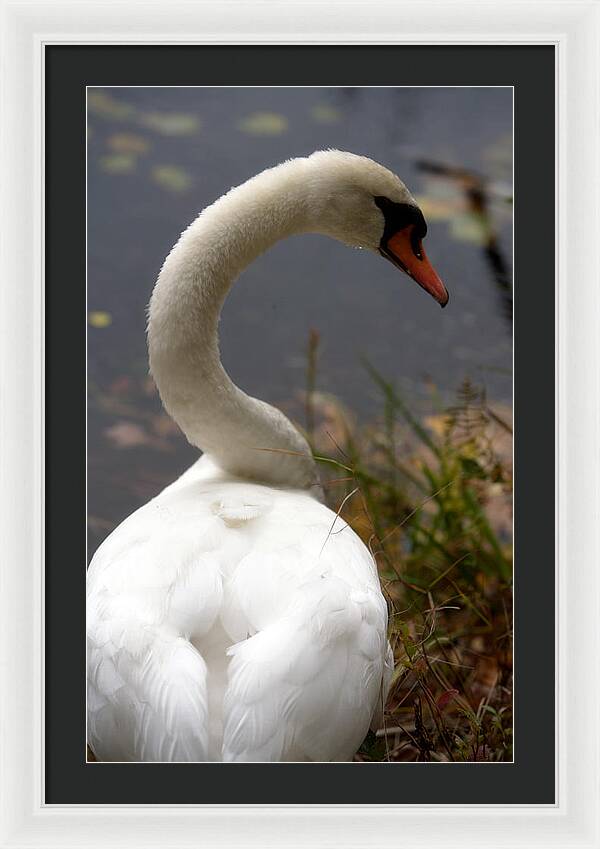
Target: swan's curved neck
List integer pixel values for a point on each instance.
(246, 437)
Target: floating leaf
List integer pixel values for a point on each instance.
(264, 124)
(171, 123)
(323, 113)
(118, 163)
(104, 104)
(469, 228)
(127, 435)
(128, 143)
(172, 178)
(100, 319)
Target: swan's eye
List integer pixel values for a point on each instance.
(415, 243)
(401, 216)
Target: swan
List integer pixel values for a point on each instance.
(225, 621)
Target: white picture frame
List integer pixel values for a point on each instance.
(574, 27)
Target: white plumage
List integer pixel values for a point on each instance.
(234, 617)
(227, 622)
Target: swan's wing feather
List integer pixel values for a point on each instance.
(306, 685)
(148, 708)
(209, 565)
(152, 587)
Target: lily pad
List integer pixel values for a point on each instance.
(172, 178)
(128, 143)
(470, 228)
(124, 434)
(264, 124)
(102, 103)
(171, 123)
(324, 113)
(99, 318)
(118, 163)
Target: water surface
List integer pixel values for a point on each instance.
(157, 156)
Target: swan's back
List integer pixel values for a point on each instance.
(229, 621)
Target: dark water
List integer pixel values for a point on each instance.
(158, 156)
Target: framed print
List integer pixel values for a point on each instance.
(491, 122)
(457, 571)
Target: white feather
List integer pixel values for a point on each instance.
(300, 627)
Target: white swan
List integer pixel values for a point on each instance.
(225, 621)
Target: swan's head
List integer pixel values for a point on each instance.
(359, 202)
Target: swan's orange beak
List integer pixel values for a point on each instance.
(407, 253)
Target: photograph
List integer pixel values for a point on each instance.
(299, 368)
